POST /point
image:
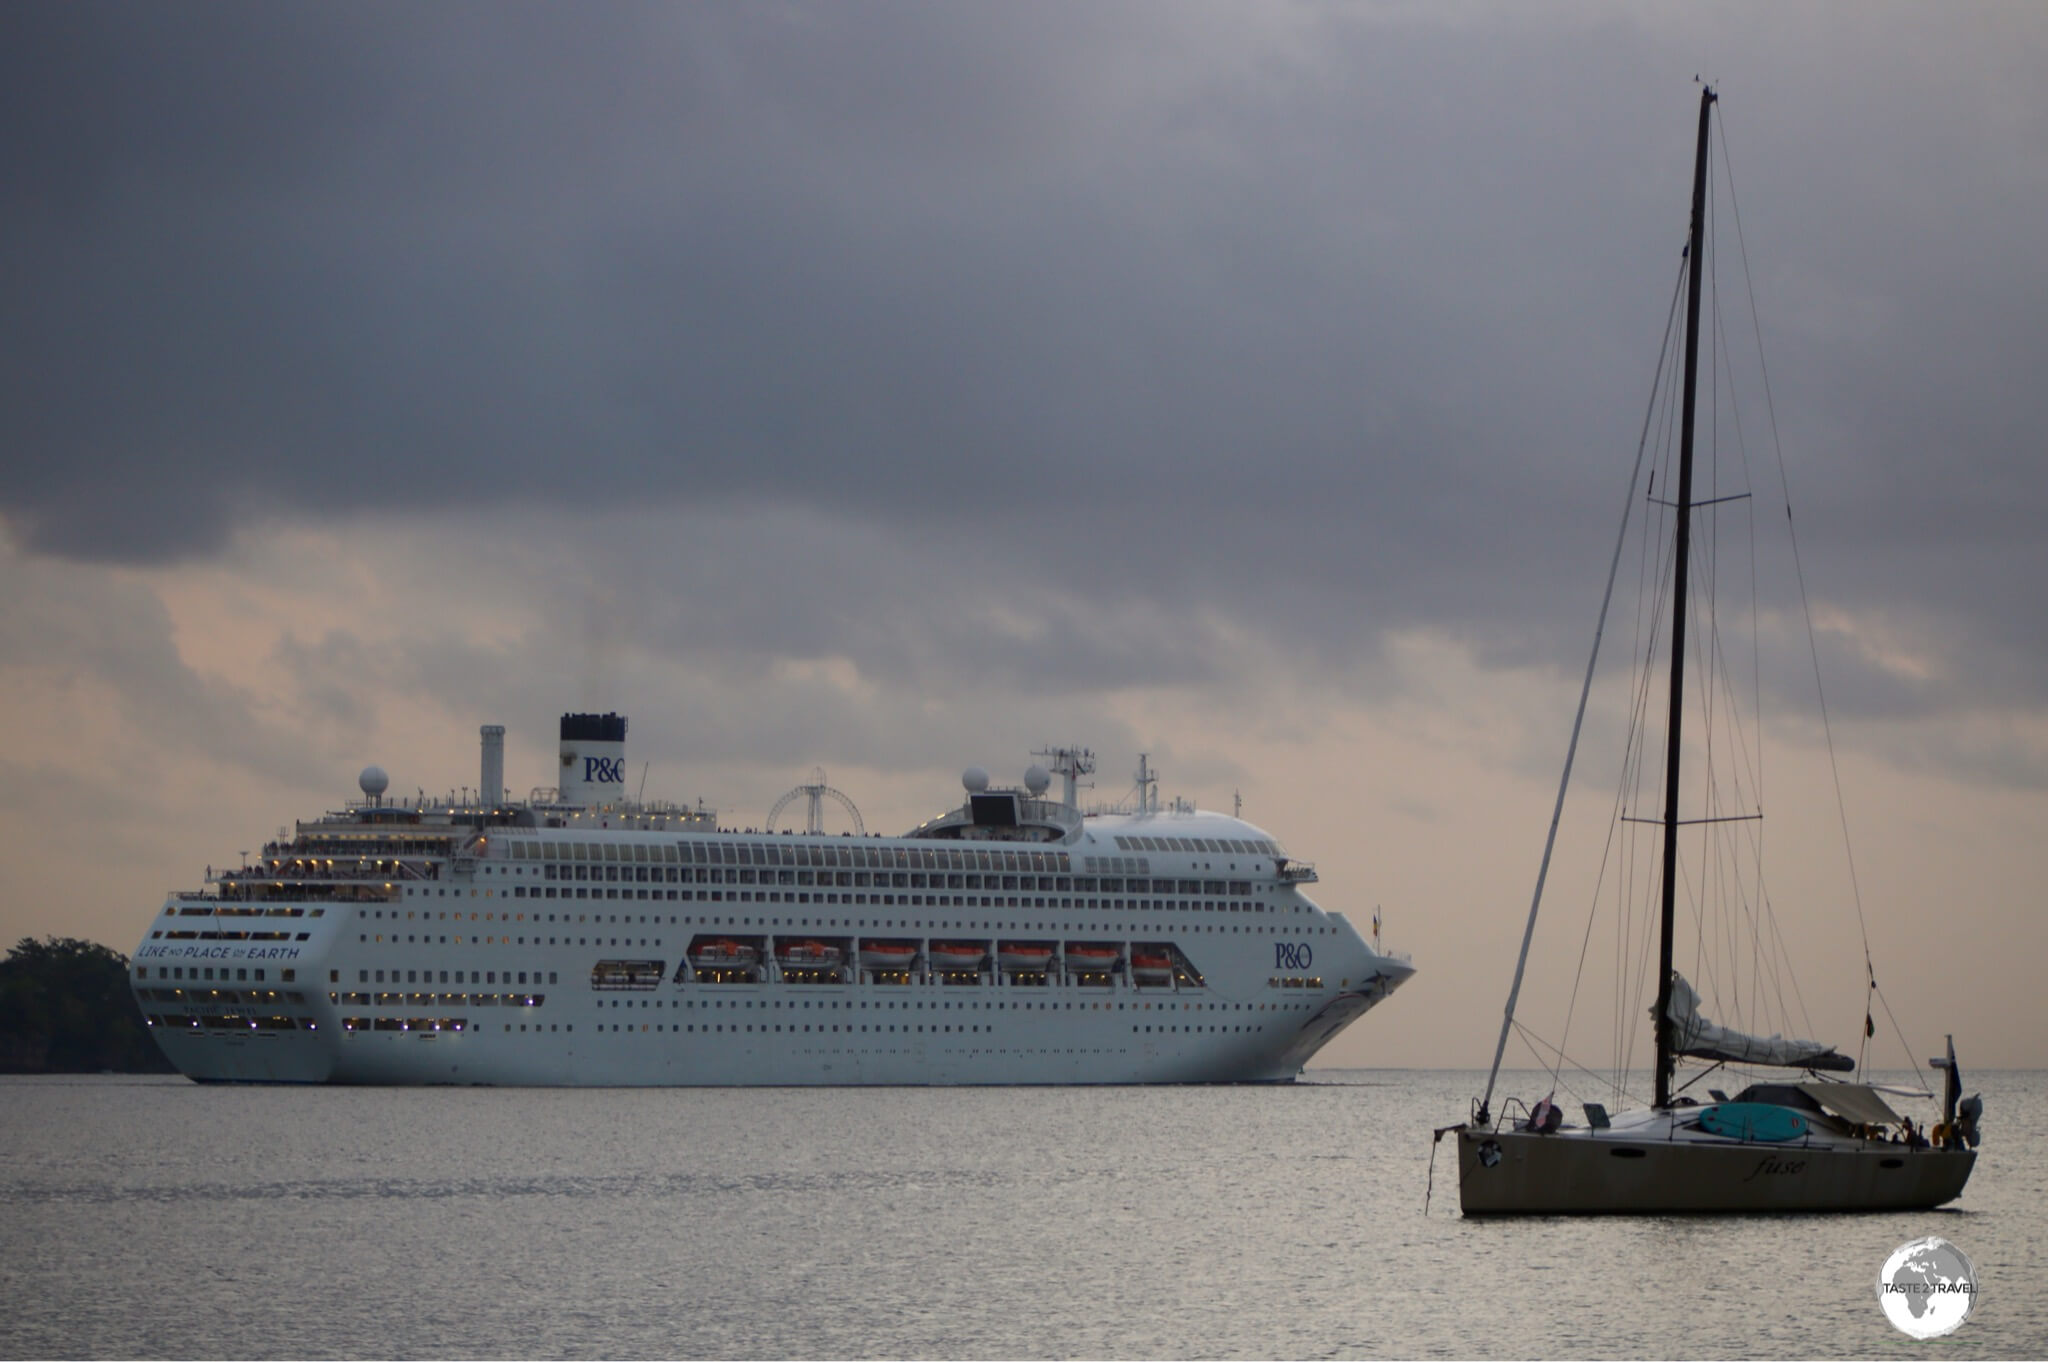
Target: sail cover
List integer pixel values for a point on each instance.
(1696, 1036)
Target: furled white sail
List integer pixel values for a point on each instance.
(1696, 1036)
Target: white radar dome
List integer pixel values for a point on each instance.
(975, 779)
(373, 781)
(1036, 779)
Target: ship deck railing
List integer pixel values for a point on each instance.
(354, 871)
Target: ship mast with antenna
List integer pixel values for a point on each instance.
(1070, 764)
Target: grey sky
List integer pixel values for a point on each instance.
(1289, 312)
(1041, 362)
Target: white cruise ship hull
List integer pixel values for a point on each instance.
(580, 940)
(783, 1033)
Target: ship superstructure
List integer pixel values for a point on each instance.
(581, 938)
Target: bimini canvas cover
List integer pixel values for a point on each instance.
(1700, 1038)
(1853, 1102)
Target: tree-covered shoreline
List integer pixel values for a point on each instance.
(66, 1008)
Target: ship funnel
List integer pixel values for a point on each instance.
(491, 784)
(593, 759)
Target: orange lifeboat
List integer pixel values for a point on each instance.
(953, 955)
(807, 955)
(1027, 956)
(1151, 967)
(1092, 959)
(887, 955)
(724, 953)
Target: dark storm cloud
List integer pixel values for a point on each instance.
(907, 259)
(1331, 321)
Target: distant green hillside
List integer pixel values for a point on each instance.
(65, 1008)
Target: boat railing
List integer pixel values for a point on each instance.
(341, 871)
(1502, 1121)
(255, 890)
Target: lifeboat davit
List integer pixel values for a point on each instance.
(948, 955)
(1151, 967)
(887, 955)
(724, 954)
(1092, 959)
(808, 955)
(1013, 956)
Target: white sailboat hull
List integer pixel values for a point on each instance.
(1648, 1171)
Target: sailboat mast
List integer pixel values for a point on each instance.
(1682, 553)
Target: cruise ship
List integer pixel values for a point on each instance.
(584, 938)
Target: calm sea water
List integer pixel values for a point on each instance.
(153, 1218)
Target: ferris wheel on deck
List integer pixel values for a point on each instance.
(815, 794)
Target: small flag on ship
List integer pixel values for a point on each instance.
(1375, 926)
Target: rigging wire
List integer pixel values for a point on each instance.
(1618, 854)
(1757, 910)
(1727, 899)
(1704, 631)
(1724, 908)
(1537, 1046)
(1658, 393)
(1571, 748)
(1638, 882)
(1750, 775)
(1813, 648)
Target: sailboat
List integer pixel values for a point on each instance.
(1807, 1141)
